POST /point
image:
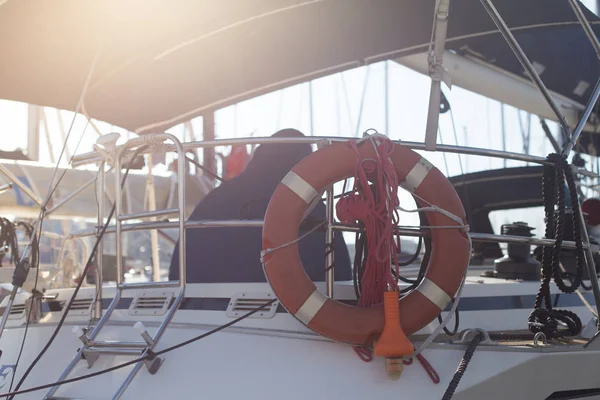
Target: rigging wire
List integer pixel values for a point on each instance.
(149, 355)
(35, 245)
(37, 231)
(64, 172)
(78, 107)
(80, 283)
(52, 187)
(444, 153)
(462, 172)
(204, 169)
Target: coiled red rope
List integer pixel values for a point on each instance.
(374, 201)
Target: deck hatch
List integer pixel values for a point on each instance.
(17, 311)
(245, 302)
(81, 307)
(150, 303)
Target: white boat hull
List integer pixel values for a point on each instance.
(279, 358)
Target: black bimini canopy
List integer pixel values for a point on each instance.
(160, 62)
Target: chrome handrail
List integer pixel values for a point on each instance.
(95, 157)
(415, 231)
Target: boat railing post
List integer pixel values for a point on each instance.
(437, 72)
(591, 266)
(181, 165)
(589, 255)
(100, 250)
(329, 235)
(118, 207)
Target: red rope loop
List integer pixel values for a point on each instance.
(364, 354)
(429, 369)
(373, 201)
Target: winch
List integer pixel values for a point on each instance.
(518, 262)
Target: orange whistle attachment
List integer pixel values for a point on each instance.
(393, 342)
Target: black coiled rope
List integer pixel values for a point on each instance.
(544, 318)
(360, 255)
(8, 240)
(462, 367)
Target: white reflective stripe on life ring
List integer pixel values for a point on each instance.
(299, 186)
(311, 307)
(417, 175)
(434, 293)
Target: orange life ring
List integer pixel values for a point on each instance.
(333, 319)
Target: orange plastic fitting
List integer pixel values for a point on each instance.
(393, 342)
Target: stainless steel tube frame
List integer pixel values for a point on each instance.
(405, 231)
(159, 332)
(181, 163)
(115, 352)
(91, 337)
(437, 72)
(99, 344)
(476, 237)
(141, 226)
(94, 157)
(148, 214)
(583, 120)
(5, 187)
(73, 195)
(6, 313)
(591, 266)
(510, 39)
(181, 283)
(594, 97)
(100, 249)
(586, 26)
(181, 194)
(329, 237)
(520, 54)
(148, 285)
(21, 185)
